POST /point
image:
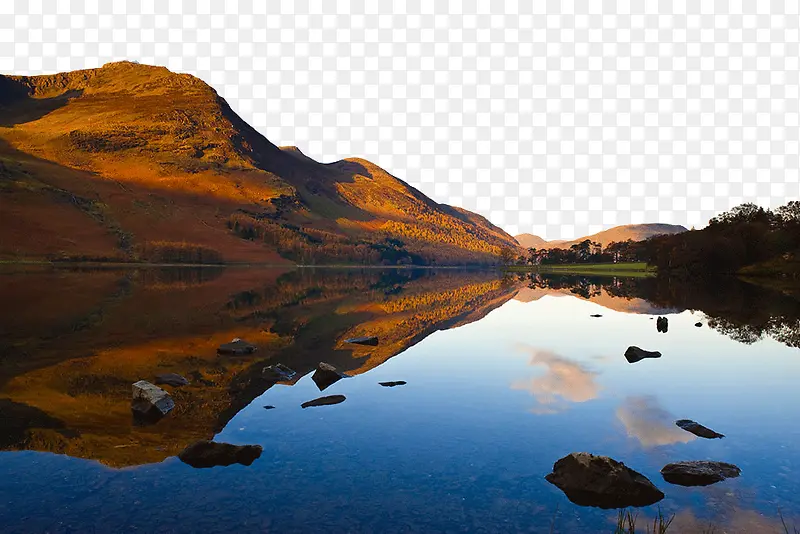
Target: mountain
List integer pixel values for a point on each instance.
(634, 232)
(134, 162)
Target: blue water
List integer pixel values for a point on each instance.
(464, 446)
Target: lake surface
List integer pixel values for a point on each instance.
(504, 377)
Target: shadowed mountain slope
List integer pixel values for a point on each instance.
(145, 164)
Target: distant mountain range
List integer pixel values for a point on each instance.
(635, 232)
(132, 162)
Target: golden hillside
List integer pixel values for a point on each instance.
(134, 162)
(634, 232)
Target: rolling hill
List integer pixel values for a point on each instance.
(634, 232)
(131, 162)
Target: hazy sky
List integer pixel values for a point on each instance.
(557, 118)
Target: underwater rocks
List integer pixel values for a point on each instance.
(150, 402)
(326, 375)
(697, 429)
(203, 454)
(237, 347)
(278, 372)
(364, 340)
(171, 379)
(635, 354)
(324, 401)
(600, 481)
(698, 473)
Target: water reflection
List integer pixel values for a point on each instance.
(564, 381)
(645, 420)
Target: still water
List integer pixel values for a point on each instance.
(504, 377)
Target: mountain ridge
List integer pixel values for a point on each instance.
(150, 156)
(635, 232)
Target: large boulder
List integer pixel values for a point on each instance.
(635, 354)
(697, 429)
(364, 340)
(171, 379)
(205, 453)
(278, 372)
(589, 480)
(150, 402)
(326, 375)
(698, 473)
(324, 401)
(237, 347)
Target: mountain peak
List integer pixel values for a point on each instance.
(634, 232)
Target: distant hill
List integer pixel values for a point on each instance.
(134, 162)
(634, 232)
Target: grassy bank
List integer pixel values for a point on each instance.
(639, 269)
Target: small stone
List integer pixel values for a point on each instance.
(324, 401)
(171, 379)
(326, 375)
(278, 372)
(269, 407)
(205, 453)
(150, 402)
(698, 325)
(697, 429)
(393, 384)
(595, 315)
(635, 354)
(237, 347)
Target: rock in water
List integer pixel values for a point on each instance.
(365, 340)
(278, 372)
(698, 473)
(324, 401)
(205, 453)
(393, 384)
(172, 379)
(697, 429)
(635, 354)
(589, 480)
(698, 325)
(269, 407)
(237, 347)
(326, 374)
(595, 315)
(662, 324)
(150, 402)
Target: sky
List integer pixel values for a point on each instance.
(554, 118)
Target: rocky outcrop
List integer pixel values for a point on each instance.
(205, 453)
(171, 379)
(326, 375)
(150, 402)
(589, 480)
(698, 473)
(635, 354)
(237, 347)
(697, 429)
(324, 401)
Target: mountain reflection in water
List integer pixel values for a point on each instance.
(518, 374)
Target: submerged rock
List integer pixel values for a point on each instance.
(589, 480)
(150, 402)
(324, 401)
(697, 429)
(635, 354)
(699, 473)
(662, 324)
(364, 340)
(205, 453)
(326, 375)
(237, 347)
(278, 372)
(171, 379)
(393, 384)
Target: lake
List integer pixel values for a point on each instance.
(505, 375)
